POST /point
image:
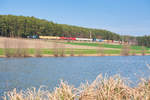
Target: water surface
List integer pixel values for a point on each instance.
(22, 73)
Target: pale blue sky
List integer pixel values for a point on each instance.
(130, 17)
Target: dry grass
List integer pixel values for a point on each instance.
(63, 92)
(103, 88)
(55, 49)
(133, 52)
(125, 50)
(18, 50)
(100, 50)
(38, 47)
(143, 51)
(62, 50)
(72, 52)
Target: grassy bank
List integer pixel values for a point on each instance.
(18, 47)
(32, 51)
(103, 88)
(12, 52)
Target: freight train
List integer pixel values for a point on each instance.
(72, 38)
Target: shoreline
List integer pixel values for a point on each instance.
(68, 55)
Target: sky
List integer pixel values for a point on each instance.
(125, 17)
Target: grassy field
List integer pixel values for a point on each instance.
(108, 45)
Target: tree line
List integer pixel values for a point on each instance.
(21, 26)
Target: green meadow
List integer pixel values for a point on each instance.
(107, 45)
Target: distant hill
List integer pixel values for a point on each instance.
(22, 26)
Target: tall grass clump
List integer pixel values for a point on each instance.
(7, 50)
(143, 50)
(38, 52)
(29, 94)
(62, 50)
(18, 47)
(72, 52)
(125, 50)
(133, 52)
(63, 92)
(100, 50)
(55, 49)
(80, 52)
(24, 48)
(105, 88)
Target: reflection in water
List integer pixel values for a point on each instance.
(24, 73)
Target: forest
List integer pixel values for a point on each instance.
(23, 26)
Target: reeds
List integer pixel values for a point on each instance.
(133, 52)
(125, 50)
(100, 50)
(62, 50)
(58, 49)
(103, 88)
(38, 52)
(72, 52)
(55, 49)
(63, 92)
(7, 50)
(19, 47)
(143, 51)
(15, 47)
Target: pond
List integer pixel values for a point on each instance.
(22, 73)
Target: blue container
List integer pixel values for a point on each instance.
(94, 39)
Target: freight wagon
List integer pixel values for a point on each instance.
(33, 36)
(49, 37)
(67, 38)
(83, 39)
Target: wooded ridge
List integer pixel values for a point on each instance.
(22, 26)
